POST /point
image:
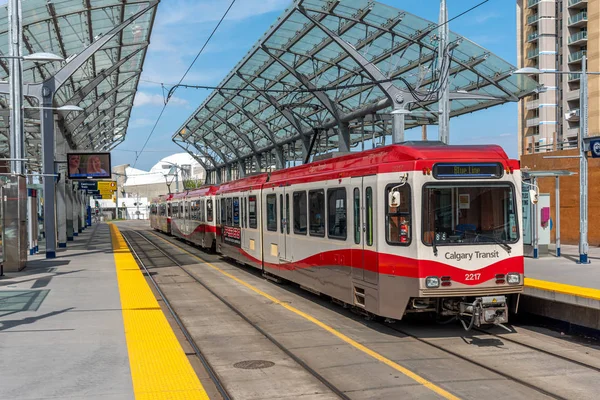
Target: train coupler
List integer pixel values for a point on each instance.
(486, 310)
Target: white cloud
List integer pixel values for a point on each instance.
(141, 122)
(194, 11)
(506, 134)
(483, 18)
(143, 99)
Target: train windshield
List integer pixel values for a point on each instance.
(469, 214)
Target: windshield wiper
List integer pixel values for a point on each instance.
(499, 242)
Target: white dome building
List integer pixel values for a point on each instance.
(170, 174)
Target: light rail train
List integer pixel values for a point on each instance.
(408, 228)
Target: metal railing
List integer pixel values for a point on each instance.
(574, 77)
(577, 56)
(578, 36)
(533, 53)
(532, 36)
(575, 2)
(533, 122)
(532, 18)
(582, 16)
(532, 3)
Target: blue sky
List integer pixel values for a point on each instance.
(182, 26)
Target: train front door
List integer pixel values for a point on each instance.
(285, 249)
(364, 254)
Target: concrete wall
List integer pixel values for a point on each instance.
(569, 188)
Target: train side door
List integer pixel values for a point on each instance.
(370, 259)
(364, 256)
(357, 229)
(244, 223)
(285, 249)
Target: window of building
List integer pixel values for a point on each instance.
(300, 220)
(316, 212)
(398, 219)
(252, 212)
(272, 212)
(336, 214)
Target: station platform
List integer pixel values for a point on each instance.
(86, 325)
(559, 288)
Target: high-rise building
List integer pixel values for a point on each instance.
(553, 35)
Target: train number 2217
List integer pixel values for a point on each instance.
(472, 277)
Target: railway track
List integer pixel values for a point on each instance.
(214, 377)
(507, 376)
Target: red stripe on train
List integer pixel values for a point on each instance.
(391, 264)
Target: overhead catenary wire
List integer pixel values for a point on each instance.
(181, 80)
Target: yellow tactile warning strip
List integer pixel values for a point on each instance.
(417, 378)
(571, 290)
(159, 366)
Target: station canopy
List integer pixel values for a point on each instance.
(103, 83)
(330, 65)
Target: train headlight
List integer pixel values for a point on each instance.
(432, 282)
(513, 278)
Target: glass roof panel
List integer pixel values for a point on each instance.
(298, 79)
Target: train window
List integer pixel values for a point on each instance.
(245, 212)
(209, 210)
(236, 211)
(287, 214)
(272, 212)
(398, 219)
(336, 214)
(228, 213)
(300, 213)
(252, 212)
(181, 214)
(175, 210)
(369, 215)
(222, 212)
(316, 210)
(357, 215)
(281, 212)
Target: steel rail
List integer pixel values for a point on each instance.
(233, 308)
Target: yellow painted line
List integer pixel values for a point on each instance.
(417, 378)
(159, 367)
(576, 291)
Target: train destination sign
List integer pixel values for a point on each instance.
(464, 170)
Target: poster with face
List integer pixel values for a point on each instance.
(88, 165)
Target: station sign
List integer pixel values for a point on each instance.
(97, 197)
(93, 192)
(107, 186)
(595, 148)
(467, 170)
(88, 185)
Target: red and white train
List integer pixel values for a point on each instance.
(393, 230)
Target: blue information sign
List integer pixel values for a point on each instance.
(595, 148)
(88, 185)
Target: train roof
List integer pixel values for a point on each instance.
(247, 183)
(375, 160)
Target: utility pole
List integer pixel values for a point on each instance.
(17, 142)
(443, 74)
(583, 166)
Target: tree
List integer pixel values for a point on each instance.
(189, 184)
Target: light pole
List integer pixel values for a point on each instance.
(177, 167)
(583, 161)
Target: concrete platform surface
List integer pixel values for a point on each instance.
(561, 279)
(61, 326)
